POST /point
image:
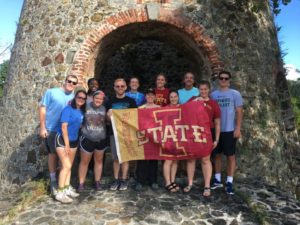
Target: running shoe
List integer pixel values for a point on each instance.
(216, 184)
(71, 192)
(80, 188)
(98, 186)
(229, 188)
(123, 185)
(114, 185)
(63, 198)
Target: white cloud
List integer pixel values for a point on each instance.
(292, 72)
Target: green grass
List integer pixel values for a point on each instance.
(33, 192)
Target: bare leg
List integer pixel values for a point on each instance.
(98, 164)
(173, 170)
(218, 163)
(52, 162)
(65, 167)
(231, 164)
(206, 170)
(116, 169)
(125, 168)
(71, 159)
(167, 171)
(191, 166)
(85, 159)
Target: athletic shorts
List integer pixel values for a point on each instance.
(59, 142)
(50, 142)
(226, 144)
(113, 148)
(90, 146)
(212, 130)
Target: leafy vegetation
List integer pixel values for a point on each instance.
(3, 74)
(294, 87)
(258, 5)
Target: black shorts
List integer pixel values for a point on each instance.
(59, 142)
(212, 130)
(226, 144)
(90, 146)
(50, 142)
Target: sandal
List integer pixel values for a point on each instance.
(171, 188)
(176, 186)
(206, 192)
(188, 188)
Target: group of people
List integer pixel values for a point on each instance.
(71, 121)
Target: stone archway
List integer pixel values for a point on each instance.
(189, 33)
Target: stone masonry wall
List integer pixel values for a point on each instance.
(58, 37)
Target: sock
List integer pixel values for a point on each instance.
(229, 179)
(218, 177)
(61, 189)
(52, 176)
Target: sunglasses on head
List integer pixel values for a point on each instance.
(224, 78)
(71, 82)
(81, 98)
(119, 86)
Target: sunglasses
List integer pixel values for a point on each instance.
(119, 86)
(71, 82)
(224, 78)
(81, 98)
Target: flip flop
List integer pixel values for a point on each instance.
(206, 192)
(176, 186)
(170, 188)
(188, 188)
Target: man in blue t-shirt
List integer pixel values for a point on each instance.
(133, 93)
(189, 90)
(186, 94)
(50, 108)
(231, 104)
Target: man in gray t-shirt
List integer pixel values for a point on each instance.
(231, 105)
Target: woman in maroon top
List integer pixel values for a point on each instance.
(170, 166)
(161, 92)
(214, 114)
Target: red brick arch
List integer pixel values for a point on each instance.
(84, 60)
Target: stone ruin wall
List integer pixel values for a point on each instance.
(80, 36)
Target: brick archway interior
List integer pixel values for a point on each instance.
(144, 50)
(167, 30)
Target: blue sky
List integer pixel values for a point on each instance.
(288, 18)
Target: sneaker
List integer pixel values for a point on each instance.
(229, 188)
(216, 184)
(80, 188)
(53, 188)
(123, 185)
(70, 192)
(154, 186)
(98, 186)
(114, 185)
(63, 198)
(138, 187)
